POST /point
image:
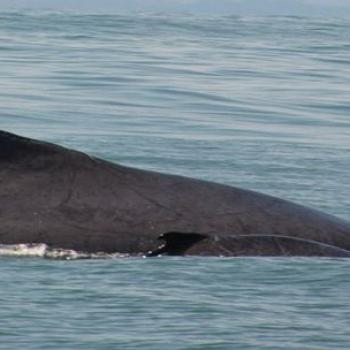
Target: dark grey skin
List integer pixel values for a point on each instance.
(67, 199)
(243, 245)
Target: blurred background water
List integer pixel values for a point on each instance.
(257, 102)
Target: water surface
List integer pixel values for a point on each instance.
(260, 103)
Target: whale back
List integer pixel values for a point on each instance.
(67, 199)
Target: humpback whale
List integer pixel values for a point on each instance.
(69, 200)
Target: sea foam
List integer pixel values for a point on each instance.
(42, 250)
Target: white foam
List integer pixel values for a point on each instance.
(42, 250)
(35, 250)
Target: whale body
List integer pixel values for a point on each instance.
(67, 199)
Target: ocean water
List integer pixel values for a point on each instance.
(259, 102)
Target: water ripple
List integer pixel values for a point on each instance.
(256, 102)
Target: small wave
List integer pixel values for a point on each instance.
(41, 250)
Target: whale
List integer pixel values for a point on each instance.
(66, 199)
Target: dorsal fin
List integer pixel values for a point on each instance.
(176, 243)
